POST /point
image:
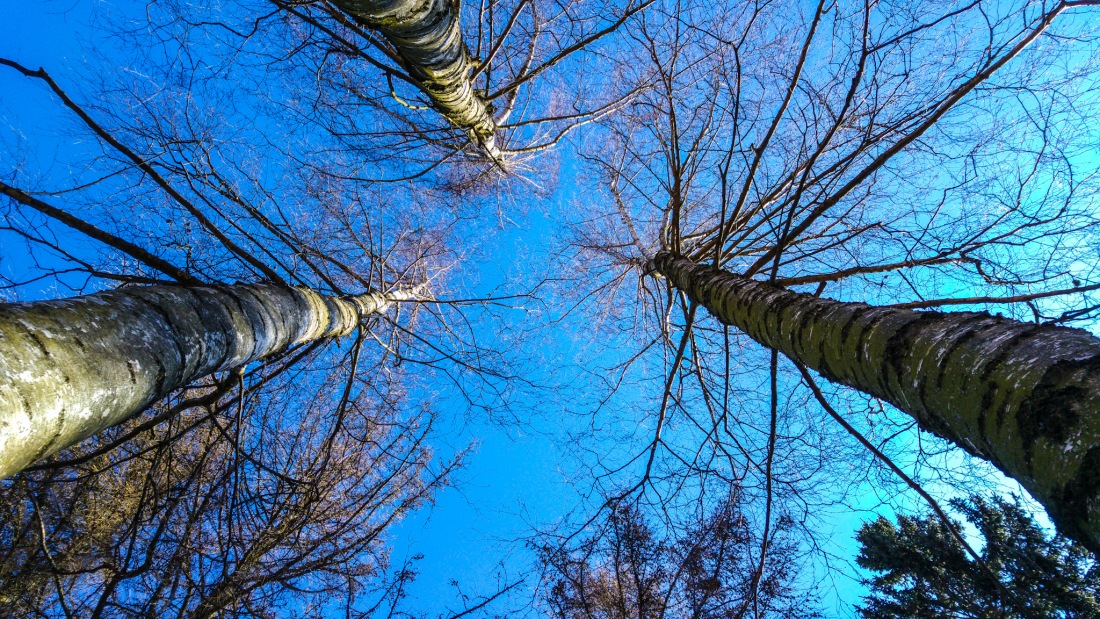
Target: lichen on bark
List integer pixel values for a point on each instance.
(1025, 397)
(72, 367)
(426, 34)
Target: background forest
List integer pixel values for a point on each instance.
(575, 382)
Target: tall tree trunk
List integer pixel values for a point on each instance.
(72, 367)
(1023, 396)
(427, 36)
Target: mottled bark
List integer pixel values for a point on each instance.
(427, 36)
(1023, 396)
(72, 367)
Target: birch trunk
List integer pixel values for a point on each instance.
(1023, 396)
(72, 367)
(427, 36)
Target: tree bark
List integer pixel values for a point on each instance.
(1024, 396)
(72, 367)
(427, 36)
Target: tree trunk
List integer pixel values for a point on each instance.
(72, 367)
(427, 36)
(1023, 396)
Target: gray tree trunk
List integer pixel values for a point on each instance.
(1023, 396)
(72, 367)
(427, 36)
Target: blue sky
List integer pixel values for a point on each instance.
(519, 477)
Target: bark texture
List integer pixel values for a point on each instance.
(1023, 396)
(72, 367)
(427, 36)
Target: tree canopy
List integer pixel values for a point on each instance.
(630, 228)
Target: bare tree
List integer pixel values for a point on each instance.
(246, 496)
(73, 367)
(626, 569)
(260, 465)
(859, 151)
(428, 40)
(509, 79)
(1023, 396)
(921, 156)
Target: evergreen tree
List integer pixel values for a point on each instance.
(923, 571)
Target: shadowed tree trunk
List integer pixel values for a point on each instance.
(72, 367)
(1023, 396)
(427, 36)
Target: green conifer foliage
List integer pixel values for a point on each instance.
(923, 571)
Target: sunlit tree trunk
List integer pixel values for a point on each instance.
(72, 367)
(1023, 396)
(427, 36)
